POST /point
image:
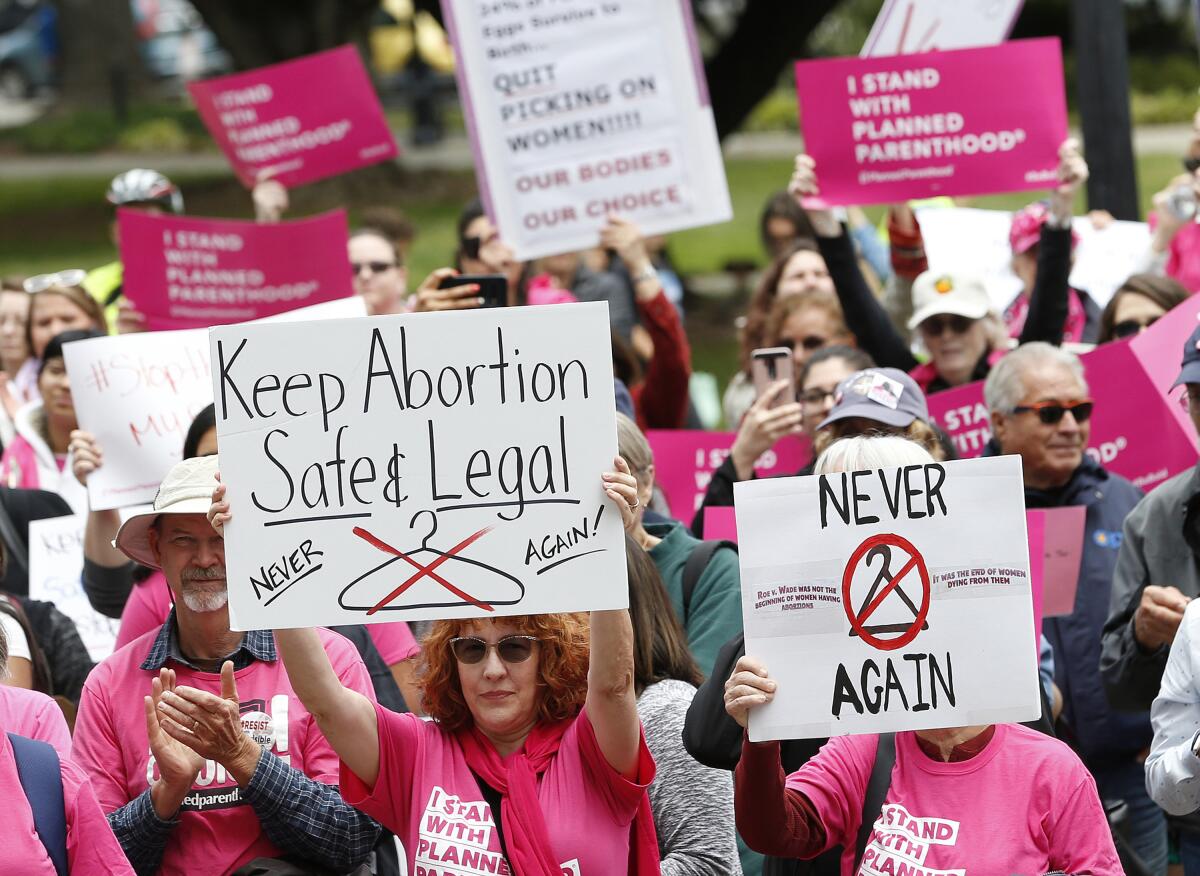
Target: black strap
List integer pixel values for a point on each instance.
(694, 568)
(877, 788)
(41, 780)
(13, 543)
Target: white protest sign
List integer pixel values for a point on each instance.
(577, 113)
(907, 26)
(890, 599)
(138, 394)
(976, 241)
(55, 567)
(419, 466)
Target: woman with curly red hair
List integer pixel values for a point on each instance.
(534, 762)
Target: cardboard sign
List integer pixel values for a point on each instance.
(138, 394)
(55, 566)
(299, 121)
(976, 242)
(193, 273)
(684, 460)
(889, 599)
(971, 121)
(578, 113)
(1055, 554)
(720, 523)
(907, 26)
(419, 466)
(1138, 428)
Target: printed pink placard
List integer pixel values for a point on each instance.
(302, 120)
(970, 121)
(1055, 554)
(720, 523)
(193, 273)
(684, 461)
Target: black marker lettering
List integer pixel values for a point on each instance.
(828, 495)
(224, 368)
(861, 497)
(291, 487)
(292, 383)
(378, 344)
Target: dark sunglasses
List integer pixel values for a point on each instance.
(935, 326)
(1051, 412)
(1130, 327)
(1191, 165)
(512, 649)
(812, 342)
(372, 267)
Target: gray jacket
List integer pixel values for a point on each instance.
(1153, 551)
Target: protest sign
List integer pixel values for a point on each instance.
(577, 113)
(889, 599)
(185, 273)
(720, 523)
(1055, 553)
(685, 459)
(1138, 429)
(55, 566)
(419, 466)
(961, 239)
(906, 26)
(138, 394)
(971, 121)
(299, 121)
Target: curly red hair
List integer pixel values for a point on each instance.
(562, 667)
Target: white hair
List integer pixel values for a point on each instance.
(1004, 387)
(865, 452)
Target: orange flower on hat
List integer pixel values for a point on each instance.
(943, 285)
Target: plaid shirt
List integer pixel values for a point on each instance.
(303, 817)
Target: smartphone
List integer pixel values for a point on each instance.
(770, 365)
(493, 288)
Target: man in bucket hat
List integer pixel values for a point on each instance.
(201, 755)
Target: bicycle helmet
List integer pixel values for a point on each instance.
(141, 186)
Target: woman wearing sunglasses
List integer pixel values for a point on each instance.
(1137, 305)
(534, 756)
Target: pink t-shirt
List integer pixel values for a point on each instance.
(34, 715)
(91, 847)
(427, 796)
(1025, 804)
(216, 826)
(150, 602)
(1183, 258)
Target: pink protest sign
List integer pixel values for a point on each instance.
(1138, 428)
(193, 273)
(301, 120)
(1055, 552)
(720, 523)
(971, 121)
(684, 461)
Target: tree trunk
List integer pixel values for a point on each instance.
(100, 62)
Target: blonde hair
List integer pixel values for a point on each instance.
(633, 446)
(866, 452)
(918, 433)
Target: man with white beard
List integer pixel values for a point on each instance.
(200, 753)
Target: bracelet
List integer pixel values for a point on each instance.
(645, 275)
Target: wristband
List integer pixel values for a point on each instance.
(645, 275)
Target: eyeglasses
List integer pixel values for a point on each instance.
(1129, 327)
(1051, 412)
(70, 277)
(815, 396)
(935, 326)
(372, 267)
(810, 343)
(512, 649)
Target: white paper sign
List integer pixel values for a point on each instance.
(55, 567)
(419, 466)
(904, 27)
(579, 111)
(138, 394)
(887, 600)
(976, 241)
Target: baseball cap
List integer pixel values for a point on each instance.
(955, 293)
(886, 395)
(1026, 228)
(1189, 371)
(187, 489)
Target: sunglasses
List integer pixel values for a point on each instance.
(512, 649)
(372, 267)
(812, 342)
(1051, 412)
(68, 278)
(1191, 165)
(1130, 327)
(935, 326)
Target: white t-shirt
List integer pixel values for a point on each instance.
(18, 644)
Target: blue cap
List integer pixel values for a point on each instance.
(1189, 371)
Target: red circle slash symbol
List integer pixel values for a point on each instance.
(885, 584)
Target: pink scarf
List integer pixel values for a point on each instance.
(1016, 313)
(530, 852)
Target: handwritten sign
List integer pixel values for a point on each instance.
(192, 273)
(1138, 428)
(685, 459)
(905, 605)
(906, 26)
(419, 466)
(301, 120)
(971, 121)
(55, 566)
(577, 113)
